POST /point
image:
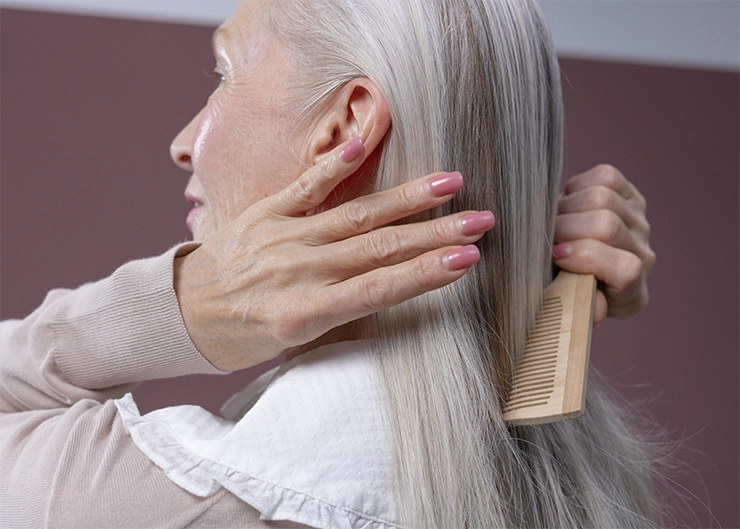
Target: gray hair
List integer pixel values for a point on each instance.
(473, 85)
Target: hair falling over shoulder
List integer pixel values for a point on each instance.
(473, 86)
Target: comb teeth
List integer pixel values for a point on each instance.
(534, 382)
(550, 378)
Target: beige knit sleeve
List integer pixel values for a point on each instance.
(98, 341)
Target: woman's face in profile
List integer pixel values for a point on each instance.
(238, 146)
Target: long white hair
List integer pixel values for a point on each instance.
(473, 85)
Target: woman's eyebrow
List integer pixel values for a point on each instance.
(218, 38)
(221, 42)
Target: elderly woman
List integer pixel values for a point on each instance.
(307, 220)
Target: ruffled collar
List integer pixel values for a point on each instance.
(312, 446)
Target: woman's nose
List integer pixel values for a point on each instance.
(181, 149)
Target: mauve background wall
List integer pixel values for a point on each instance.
(89, 106)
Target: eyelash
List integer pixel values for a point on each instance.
(215, 74)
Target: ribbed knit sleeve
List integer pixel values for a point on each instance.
(143, 335)
(100, 340)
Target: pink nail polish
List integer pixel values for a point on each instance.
(445, 184)
(476, 223)
(352, 150)
(461, 258)
(561, 251)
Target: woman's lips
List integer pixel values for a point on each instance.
(193, 213)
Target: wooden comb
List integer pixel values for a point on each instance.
(549, 382)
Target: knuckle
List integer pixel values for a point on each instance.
(384, 246)
(327, 167)
(376, 292)
(408, 198)
(440, 232)
(610, 226)
(304, 191)
(356, 216)
(607, 174)
(425, 272)
(599, 197)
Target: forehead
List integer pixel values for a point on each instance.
(246, 34)
(249, 18)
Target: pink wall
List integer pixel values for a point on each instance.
(90, 105)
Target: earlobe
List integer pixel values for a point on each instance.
(357, 110)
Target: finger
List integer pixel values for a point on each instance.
(372, 211)
(386, 287)
(600, 308)
(601, 225)
(312, 188)
(600, 197)
(591, 198)
(620, 271)
(396, 244)
(602, 175)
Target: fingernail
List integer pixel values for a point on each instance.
(352, 150)
(461, 258)
(561, 251)
(445, 184)
(476, 223)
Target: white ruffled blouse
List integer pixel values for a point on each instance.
(309, 444)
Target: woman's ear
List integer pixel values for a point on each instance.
(358, 109)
